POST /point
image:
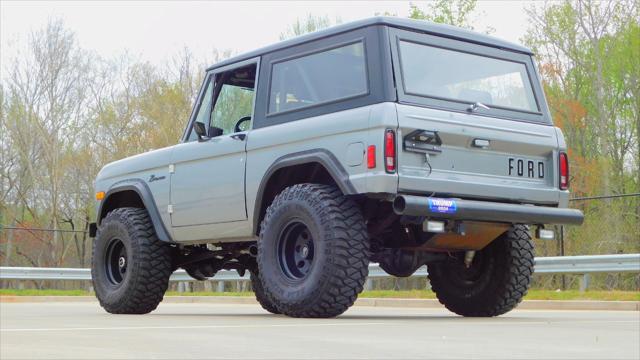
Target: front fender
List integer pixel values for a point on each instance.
(144, 193)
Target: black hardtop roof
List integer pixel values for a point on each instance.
(409, 24)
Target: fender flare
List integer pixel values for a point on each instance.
(321, 156)
(143, 191)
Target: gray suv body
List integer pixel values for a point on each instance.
(433, 142)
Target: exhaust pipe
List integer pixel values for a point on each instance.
(409, 205)
(458, 209)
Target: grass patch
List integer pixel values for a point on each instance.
(405, 294)
(613, 295)
(35, 292)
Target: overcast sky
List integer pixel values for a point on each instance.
(156, 30)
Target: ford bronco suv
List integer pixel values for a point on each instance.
(386, 140)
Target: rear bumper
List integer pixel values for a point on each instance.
(458, 209)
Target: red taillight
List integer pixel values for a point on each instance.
(371, 157)
(390, 151)
(564, 171)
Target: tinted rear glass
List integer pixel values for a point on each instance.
(464, 77)
(318, 78)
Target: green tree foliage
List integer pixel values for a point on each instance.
(308, 25)
(588, 54)
(234, 103)
(44, 114)
(452, 12)
(64, 114)
(458, 13)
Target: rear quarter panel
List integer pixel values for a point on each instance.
(336, 133)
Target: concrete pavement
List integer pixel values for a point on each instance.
(592, 305)
(83, 330)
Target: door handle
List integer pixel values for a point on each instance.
(239, 137)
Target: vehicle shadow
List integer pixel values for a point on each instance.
(428, 317)
(346, 317)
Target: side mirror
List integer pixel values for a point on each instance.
(215, 131)
(200, 130)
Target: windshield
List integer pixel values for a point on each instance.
(464, 77)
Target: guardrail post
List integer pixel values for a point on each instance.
(220, 287)
(563, 276)
(584, 282)
(368, 286)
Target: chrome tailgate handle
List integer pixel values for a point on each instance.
(481, 143)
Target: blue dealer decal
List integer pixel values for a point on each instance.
(445, 206)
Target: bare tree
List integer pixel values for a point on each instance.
(46, 85)
(308, 25)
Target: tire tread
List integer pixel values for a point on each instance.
(513, 286)
(152, 262)
(349, 244)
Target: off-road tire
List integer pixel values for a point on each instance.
(503, 270)
(340, 245)
(149, 263)
(261, 297)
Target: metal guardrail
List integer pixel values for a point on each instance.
(34, 273)
(583, 265)
(588, 264)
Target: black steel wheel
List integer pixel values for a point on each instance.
(116, 261)
(295, 250)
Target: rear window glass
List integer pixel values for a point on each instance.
(464, 77)
(318, 78)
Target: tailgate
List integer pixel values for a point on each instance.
(473, 156)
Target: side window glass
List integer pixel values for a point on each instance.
(234, 101)
(318, 78)
(203, 111)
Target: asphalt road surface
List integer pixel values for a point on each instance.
(186, 331)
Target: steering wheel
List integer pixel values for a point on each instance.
(242, 120)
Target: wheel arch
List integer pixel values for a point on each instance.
(317, 166)
(133, 193)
